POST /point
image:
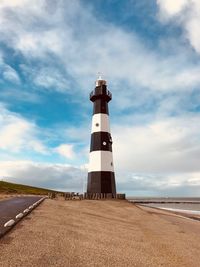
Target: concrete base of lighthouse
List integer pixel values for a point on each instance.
(101, 182)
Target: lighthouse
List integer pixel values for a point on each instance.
(101, 176)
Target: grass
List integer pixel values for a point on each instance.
(11, 188)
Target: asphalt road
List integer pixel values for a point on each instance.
(11, 207)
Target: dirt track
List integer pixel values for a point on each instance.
(100, 233)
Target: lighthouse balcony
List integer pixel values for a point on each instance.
(100, 92)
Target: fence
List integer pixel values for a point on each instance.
(93, 196)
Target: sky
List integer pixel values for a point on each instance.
(51, 52)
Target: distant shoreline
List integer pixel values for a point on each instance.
(189, 214)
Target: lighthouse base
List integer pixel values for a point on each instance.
(101, 182)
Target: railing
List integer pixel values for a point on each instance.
(93, 93)
(93, 196)
(109, 93)
(82, 196)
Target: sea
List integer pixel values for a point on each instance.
(189, 206)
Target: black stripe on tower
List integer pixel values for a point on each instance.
(100, 106)
(100, 96)
(101, 182)
(101, 141)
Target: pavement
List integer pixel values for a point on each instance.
(11, 207)
(96, 233)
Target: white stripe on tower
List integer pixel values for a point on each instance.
(100, 123)
(101, 161)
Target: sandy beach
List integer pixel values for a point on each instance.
(101, 233)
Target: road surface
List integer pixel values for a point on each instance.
(11, 207)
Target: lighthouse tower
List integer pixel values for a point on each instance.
(101, 177)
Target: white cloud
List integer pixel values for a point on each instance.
(185, 13)
(35, 45)
(33, 32)
(12, 134)
(56, 176)
(17, 134)
(158, 158)
(145, 184)
(8, 73)
(65, 150)
(19, 95)
(74, 179)
(171, 7)
(11, 75)
(46, 77)
(51, 78)
(12, 3)
(169, 145)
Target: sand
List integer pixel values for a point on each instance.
(101, 233)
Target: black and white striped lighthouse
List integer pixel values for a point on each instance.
(101, 177)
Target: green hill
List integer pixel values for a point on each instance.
(11, 188)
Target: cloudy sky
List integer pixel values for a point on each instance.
(149, 53)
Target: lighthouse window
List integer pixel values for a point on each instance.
(104, 143)
(97, 124)
(111, 163)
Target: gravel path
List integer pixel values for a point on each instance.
(100, 233)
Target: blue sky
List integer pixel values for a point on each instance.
(149, 53)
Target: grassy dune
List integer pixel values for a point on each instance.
(11, 188)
